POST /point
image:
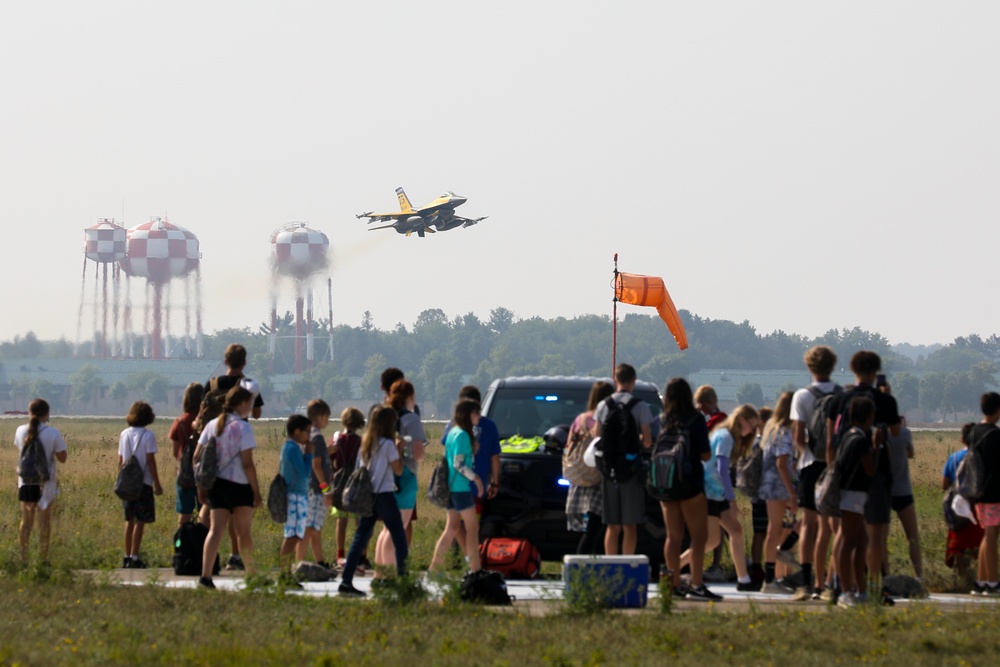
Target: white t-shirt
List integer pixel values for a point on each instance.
(139, 441)
(379, 468)
(803, 404)
(237, 437)
(52, 442)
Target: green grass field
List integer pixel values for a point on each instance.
(66, 618)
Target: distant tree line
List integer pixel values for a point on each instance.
(439, 354)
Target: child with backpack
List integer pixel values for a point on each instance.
(320, 483)
(380, 455)
(39, 447)
(184, 440)
(583, 502)
(684, 507)
(139, 443)
(964, 536)
(296, 460)
(459, 454)
(777, 486)
(344, 457)
(855, 465)
(986, 444)
(235, 492)
(731, 440)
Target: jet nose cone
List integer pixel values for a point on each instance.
(457, 199)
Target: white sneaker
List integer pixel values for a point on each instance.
(847, 601)
(776, 588)
(788, 558)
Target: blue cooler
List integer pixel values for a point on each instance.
(624, 580)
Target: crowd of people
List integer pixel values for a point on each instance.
(851, 439)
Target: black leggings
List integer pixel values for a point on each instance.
(592, 541)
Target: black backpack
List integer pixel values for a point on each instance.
(816, 426)
(620, 441)
(669, 467)
(485, 587)
(189, 545)
(32, 464)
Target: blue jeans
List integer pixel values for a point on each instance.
(387, 510)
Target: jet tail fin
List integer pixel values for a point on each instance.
(404, 202)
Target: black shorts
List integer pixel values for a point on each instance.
(29, 493)
(759, 508)
(226, 495)
(808, 477)
(900, 503)
(142, 510)
(717, 507)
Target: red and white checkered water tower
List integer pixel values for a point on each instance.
(163, 253)
(298, 253)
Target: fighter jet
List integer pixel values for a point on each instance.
(438, 216)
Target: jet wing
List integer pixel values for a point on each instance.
(384, 217)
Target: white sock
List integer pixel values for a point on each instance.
(743, 580)
(134, 556)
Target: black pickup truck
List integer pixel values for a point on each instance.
(531, 500)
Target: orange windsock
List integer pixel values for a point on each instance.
(650, 291)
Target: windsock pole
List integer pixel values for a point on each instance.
(614, 317)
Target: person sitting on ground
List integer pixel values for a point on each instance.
(37, 497)
(139, 442)
(296, 461)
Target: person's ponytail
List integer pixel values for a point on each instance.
(39, 410)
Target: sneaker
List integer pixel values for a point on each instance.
(847, 601)
(348, 591)
(991, 591)
(715, 574)
(363, 565)
(126, 563)
(702, 594)
(776, 588)
(977, 589)
(886, 601)
(803, 593)
(137, 564)
(788, 558)
(679, 592)
(206, 582)
(829, 595)
(235, 562)
(749, 587)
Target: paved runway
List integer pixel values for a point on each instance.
(532, 593)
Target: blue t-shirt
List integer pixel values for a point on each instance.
(721, 442)
(458, 443)
(951, 465)
(295, 467)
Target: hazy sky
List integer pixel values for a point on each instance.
(801, 165)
